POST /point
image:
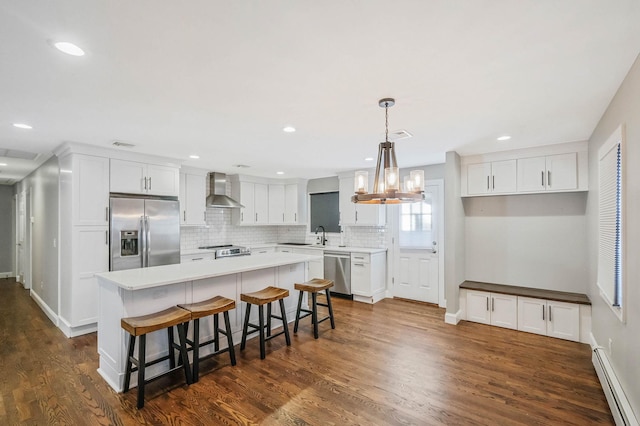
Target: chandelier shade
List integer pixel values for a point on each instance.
(386, 186)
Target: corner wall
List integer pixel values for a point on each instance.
(624, 337)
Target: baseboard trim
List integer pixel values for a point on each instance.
(50, 313)
(70, 331)
(452, 319)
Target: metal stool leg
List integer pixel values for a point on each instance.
(232, 352)
(295, 326)
(285, 324)
(261, 325)
(333, 324)
(216, 343)
(246, 326)
(268, 319)
(196, 349)
(127, 376)
(142, 343)
(314, 313)
(183, 352)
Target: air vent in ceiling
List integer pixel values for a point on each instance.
(14, 153)
(122, 144)
(399, 134)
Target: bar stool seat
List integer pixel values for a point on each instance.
(211, 307)
(142, 325)
(266, 296)
(313, 287)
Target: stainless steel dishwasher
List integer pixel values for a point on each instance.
(337, 267)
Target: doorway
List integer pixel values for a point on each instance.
(417, 231)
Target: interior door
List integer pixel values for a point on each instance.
(417, 259)
(21, 239)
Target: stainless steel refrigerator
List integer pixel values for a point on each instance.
(145, 231)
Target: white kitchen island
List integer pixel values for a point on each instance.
(143, 291)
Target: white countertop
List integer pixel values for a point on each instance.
(155, 276)
(346, 249)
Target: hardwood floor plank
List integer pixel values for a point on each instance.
(392, 363)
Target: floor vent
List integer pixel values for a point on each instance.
(618, 402)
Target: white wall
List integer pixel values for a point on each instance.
(454, 230)
(625, 337)
(6, 228)
(43, 186)
(535, 241)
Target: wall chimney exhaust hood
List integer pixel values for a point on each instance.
(217, 192)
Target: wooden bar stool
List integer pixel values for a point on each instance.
(140, 327)
(313, 287)
(212, 307)
(265, 297)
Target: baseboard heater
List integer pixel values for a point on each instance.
(618, 402)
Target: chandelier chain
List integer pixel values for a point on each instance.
(386, 121)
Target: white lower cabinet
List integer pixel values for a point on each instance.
(492, 308)
(368, 272)
(550, 318)
(188, 258)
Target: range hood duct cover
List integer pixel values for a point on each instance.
(217, 193)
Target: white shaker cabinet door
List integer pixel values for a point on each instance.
(532, 316)
(478, 178)
(562, 172)
(478, 309)
(128, 177)
(531, 174)
(503, 176)
(163, 180)
(563, 320)
(504, 310)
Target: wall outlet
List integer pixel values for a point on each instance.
(610, 345)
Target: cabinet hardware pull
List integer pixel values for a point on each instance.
(184, 215)
(542, 178)
(106, 214)
(106, 237)
(493, 178)
(145, 183)
(241, 216)
(295, 217)
(256, 217)
(283, 217)
(149, 184)
(493, 304)
(550, 314)
(542, 312)
(359, 264)
(487, 182)
(197, 258)
(204, 215)
(487, 303)
(549, 178)
(356, 216)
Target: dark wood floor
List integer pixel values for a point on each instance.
(395, 362)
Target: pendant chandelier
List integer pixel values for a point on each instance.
(386, 185)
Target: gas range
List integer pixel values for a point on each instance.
(228, 250)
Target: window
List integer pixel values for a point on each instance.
(611, 221)
(416, 224)
(324, 211)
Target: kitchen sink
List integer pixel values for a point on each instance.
(294, 244)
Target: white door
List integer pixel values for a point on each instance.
(532, 315)
(21, 239)
(417, 262)
(562, 172)
(504, 310)
(478, 307)
(563, 320)
(478, 178)
(503, 176)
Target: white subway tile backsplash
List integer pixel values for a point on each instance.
(221, 231)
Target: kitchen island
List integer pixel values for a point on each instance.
(142, 291)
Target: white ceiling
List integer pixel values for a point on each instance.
(221, 79)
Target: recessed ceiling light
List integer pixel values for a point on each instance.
(3, 164)
(368, 159)
(504, 138)
(69, 48)
(195, 157)
(279, 173)
(289, 129)
(22, 126)
(241, 166)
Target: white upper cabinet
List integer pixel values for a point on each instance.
(276, 204)
(295, 201)
(497, 177)
(193, 195)
(141, 178)
(553, 168)
(91, 190)
(268, 201)
(354, 214)
(550, 173)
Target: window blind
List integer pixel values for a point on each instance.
(609, 223)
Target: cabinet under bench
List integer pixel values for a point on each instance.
(552, 313)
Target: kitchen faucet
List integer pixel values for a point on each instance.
(323, 240)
